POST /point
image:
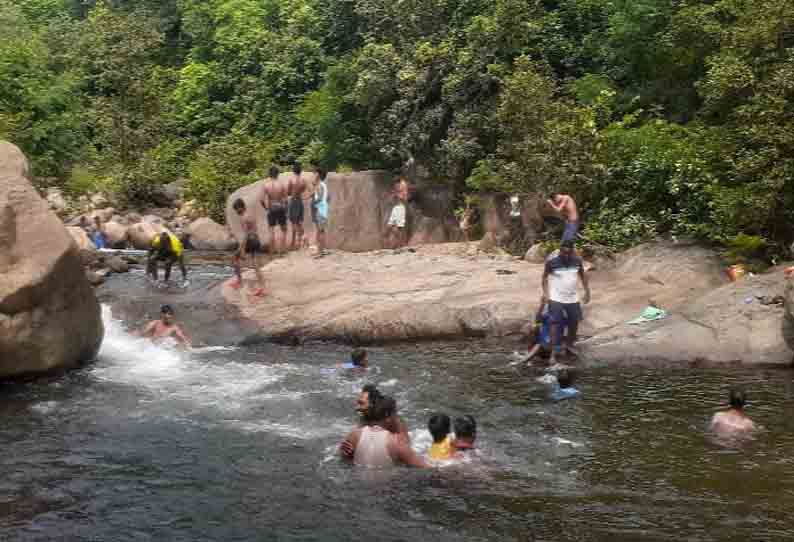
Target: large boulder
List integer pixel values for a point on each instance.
(206, 234)
(116, 234)
(81, 238)
(141, 234)
(49, 316)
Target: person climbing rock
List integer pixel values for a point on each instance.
(565, 205)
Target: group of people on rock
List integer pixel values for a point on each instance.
(381, 438)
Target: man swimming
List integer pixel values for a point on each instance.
(376, 443)
(565, 205)
(733, 421)
(359, 359)
(165, 327)
(560, 279)
(274, 201)
(168, 249)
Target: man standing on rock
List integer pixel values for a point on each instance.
(396, 225)
(274, 200)
(297, 189)
(565, 204)
(320, 210)
(560, 279)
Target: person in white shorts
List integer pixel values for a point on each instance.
(395, 227)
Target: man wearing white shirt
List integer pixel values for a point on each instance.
(560, 280)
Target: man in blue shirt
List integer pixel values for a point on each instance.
(560, 280)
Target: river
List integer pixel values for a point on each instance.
(238, 443)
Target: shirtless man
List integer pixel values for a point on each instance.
(376, 443)
(165, 327)
(397, 219)
(369, 395)
(733, 421)
(274, 200)
(565, 205)
(298, 191)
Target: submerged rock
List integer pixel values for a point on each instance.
(49, 316)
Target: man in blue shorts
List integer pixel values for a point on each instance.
(560, 279)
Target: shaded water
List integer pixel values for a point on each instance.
(232, 443)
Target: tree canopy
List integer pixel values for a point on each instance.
(661, 116)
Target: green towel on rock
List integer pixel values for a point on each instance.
(650, 314)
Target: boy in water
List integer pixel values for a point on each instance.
(733, 421)
(251, 249)
(359, 359)
(165, 327)
(564, 387)
(439, 426)
(465, 435)
(540, 336)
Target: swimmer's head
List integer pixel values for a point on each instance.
(239, 206)
(359, 357)
(167, 314)
(439, 426)
(369, 394)
(565, 378)
(381, 411)
(274, 171)
(737, 398)
(465, 428)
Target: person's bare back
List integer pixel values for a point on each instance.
(275, 191)
(731, 422)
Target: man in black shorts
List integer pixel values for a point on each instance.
(250, 248)
(296, 189)
(274, 200)
(560, 279)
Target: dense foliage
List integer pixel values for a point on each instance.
(659, 115)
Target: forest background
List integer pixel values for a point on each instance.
(661, 116)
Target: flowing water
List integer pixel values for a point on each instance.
(234, 443)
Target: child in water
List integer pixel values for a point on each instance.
(359, 359)
(564, 388)
(540, 336)
(465, 435)
(439, 426)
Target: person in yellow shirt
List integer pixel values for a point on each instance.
(439, 427)
(168, 249)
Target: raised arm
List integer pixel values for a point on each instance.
(555, 206)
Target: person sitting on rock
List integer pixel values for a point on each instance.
(560, 279)
(165, 327)
(251, 250)
(565, 205)
(540, 335)
(733, 421)
(166, 248)
(377, 443)
(98, 237)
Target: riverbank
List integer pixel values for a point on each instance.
(453, 290)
